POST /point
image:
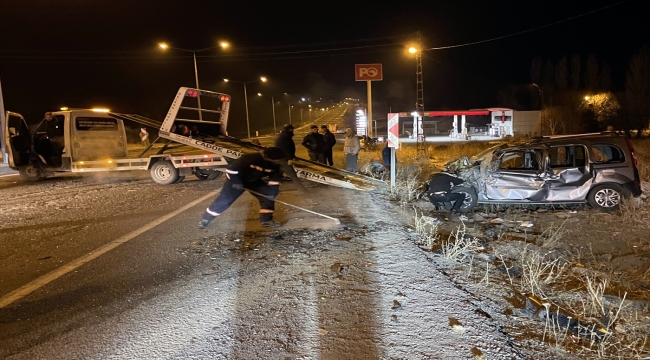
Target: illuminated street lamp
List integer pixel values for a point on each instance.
(165, 46)
(275, 131)
(262, 79)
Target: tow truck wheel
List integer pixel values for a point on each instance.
(207, 174)
(164, 173)
(31, 172)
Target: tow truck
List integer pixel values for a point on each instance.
(192, 140)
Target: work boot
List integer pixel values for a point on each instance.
(270, 223)
(204, 224)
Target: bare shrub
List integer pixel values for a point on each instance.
(633, 211)
(459, 246)
(552, 235)
(427, 229)
(537, 272)
(642, 152)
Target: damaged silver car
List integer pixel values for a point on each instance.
(598, 168)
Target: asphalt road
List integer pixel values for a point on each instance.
(113, 266)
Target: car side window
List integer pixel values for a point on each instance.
(607, 154)
(567, 156)
(519, 160)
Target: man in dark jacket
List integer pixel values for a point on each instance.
(285, 142)
(330, 141)
(439, 190)
(250, 172)
(315, 145)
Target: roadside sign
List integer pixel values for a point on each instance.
(393, 130)
(368, 72)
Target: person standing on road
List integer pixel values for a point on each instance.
(351, 150)
(315, 144)
(250, 172)
(285, 142)
(330, 141)
(439, 190)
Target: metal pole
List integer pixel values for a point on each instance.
(196, 77)
(3, 155)
(248, 126)
(541, 95)
(289, 114)
(369, 120)
(275, 131)
(392, 167)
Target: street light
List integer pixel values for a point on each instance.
(262, 79)
(165, 46)
(275, 131)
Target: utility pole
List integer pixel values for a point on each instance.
(419, 103)
(541, 108)
(3, 147)
(289, 114)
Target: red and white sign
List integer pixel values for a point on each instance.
(393, 130)
(368, 72)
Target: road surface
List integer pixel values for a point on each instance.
(113, 266)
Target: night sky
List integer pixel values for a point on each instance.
(85, 53)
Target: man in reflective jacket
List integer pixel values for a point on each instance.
(250, 172)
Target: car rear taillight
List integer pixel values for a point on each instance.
(629, 146)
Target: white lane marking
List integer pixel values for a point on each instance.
(7, 175)
(47, 278)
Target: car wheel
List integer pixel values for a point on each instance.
(471, 198)
(605, 197)
(164, 173)
(180, 178)
(31, 172)
(207, 174)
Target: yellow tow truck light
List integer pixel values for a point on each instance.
(100, 110)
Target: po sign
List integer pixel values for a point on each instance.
(368, 72)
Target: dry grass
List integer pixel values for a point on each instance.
(642, 152)
(413, 168)
(460, 246)
(542, 275)
(427, 229)
(537, 273)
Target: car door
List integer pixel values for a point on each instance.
(569, 178)
(515, 175)
(18, 140)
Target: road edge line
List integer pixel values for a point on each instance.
(74, 264)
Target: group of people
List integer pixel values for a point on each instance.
(320, 144)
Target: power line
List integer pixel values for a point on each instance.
(529, 30)
(245, 51)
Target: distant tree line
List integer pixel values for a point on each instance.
(577, 96)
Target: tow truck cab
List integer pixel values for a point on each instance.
(71, 136)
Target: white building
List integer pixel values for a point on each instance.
(513, 122)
